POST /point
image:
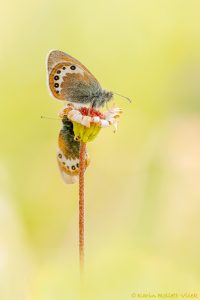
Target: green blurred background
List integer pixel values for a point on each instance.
(142, 187)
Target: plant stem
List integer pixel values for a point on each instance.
(81, 208)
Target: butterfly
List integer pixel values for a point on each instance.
(69, 80)
(68, 153)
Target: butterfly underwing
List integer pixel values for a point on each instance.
(69, 80)
(68, 153)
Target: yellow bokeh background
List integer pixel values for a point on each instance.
(142, 187)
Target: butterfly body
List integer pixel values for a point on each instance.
(69, 80)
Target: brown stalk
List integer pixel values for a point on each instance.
(81, 209)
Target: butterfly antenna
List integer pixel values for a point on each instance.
(123, 97)
(50, 118)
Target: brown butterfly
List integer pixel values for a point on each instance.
(68, 153)
(71, 81)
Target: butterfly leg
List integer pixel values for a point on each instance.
(94, 103)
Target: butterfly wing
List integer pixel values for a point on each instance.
(70, 80)
(68, 153)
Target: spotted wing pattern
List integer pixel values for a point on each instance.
(68, 153)
(70, 80)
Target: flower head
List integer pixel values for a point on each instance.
(87, 122)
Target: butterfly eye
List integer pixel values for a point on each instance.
(73, 67)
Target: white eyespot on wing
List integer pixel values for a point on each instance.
(70, 164)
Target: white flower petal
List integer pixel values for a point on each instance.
(117, 110)
(75, 115)
(86, 121)
(77, 118)
(113, 113)
(104, 123)
(95, 119)
(72, 113)
(111, 120)
(109, 115)
(115, 126)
